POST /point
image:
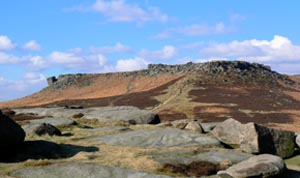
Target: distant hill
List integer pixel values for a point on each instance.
(211, 91)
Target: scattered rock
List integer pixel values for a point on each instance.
(194, 126)
(253, 138)
(43, 129)
(11, 133)
(80, 170)
(158, 138)
(105, 114)
(258, 166)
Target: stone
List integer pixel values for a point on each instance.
(216, 156)
(180, 124)
(264, 165)
(229, 132)
(259, 139)
(51, 80)
(256, 139)
(43, 129)
(105, 114)
(31, 125)
(157, 138)
(194, 126)
(209, 126)
(11, 133)
(80, 170)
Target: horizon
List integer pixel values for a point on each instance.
(40, 39)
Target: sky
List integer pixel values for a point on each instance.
(39, 39)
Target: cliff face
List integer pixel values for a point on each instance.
(212, 91)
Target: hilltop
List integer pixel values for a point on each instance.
(211, 91)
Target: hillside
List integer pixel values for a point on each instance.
(212, 91)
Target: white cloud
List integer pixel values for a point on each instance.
(32, 46)
(278, 52)
(11, 89)
(195, 30)
(34, 78)
(66, 59)
(122, 11)
(8, 59)
(117, 48)
(6, 43)
(167, 52)
(131, 64)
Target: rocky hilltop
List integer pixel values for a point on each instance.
(245, 70)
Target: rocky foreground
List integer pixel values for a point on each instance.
(128, 142)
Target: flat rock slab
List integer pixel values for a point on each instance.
(108, 129)
(187, 156)
(113, 114)
(80, 170)
(158, 138)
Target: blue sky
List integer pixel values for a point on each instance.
(39, 39)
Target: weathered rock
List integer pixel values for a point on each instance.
(51, 80)
(209, 126)
(258, 166)
(57, 122)
(229, 132)
(259, 139)
(180, 124)
(80, 170)
(43, 129)
(106, 114)
(217, 156)
(194, 126)
(158, 138)
(253, 138)
(10, 132)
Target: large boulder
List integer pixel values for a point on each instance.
(229, 132)
(46, 129)
(264, 165)
(10, 132)
(256, 139)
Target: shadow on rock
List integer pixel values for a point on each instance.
(290, 174)
(41, 150)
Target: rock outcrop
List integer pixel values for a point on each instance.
(257, 139)
(258, 166)
(240, 68)
(11, 134)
